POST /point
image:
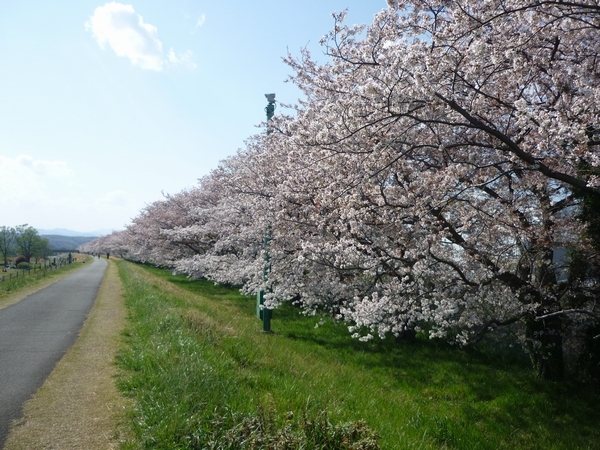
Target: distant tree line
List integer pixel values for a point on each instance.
(22, 240)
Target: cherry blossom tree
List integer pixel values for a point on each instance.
(438, 176)
(231, 219)
(451, 138)
(144, 239)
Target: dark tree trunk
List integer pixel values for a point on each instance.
(544, 340)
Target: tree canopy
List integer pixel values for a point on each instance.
(440, 175)
(29, 243)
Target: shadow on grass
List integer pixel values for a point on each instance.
(488, 387)
(489, 384)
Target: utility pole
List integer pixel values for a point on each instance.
(263, 313)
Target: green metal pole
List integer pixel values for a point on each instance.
(266, 312)
(262, 313)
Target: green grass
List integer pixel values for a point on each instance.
(197, 365)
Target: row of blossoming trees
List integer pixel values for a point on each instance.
(435, 170)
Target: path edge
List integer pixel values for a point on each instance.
(79, 405)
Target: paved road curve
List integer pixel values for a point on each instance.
(35, 334)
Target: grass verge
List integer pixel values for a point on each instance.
(200, 371)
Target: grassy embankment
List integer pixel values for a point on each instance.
(196, 363)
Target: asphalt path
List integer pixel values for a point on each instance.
(36, 332)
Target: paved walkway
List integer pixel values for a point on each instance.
(36, 332)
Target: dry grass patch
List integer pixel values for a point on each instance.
(79, 407)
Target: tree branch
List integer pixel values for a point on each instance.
(515, 149)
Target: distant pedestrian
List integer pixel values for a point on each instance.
(107, 255)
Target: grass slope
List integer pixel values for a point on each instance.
(197, 367)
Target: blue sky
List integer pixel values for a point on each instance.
(104, 106)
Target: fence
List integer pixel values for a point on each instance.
(47, 266)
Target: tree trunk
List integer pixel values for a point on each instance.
(544, 340)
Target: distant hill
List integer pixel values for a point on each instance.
(65, 232)
(66, 243)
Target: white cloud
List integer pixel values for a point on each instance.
(43, 168)
(183, 59)
(24, 179)
(50, 194)
(201, 20)
(116, 199)
(125, 31)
